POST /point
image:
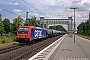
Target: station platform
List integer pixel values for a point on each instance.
(65, 49)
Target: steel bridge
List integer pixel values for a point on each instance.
(45, 22)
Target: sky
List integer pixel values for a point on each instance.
(46, 8)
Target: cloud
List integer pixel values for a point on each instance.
(76, 1)
(0, 9)
(87, 4)
(12, 3)
(33, 14)
(17, 11)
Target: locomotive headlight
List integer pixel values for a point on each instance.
(18, 36)
(26, 36)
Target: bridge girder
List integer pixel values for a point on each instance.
(45, 22)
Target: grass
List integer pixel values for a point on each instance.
(87, 37)
(7, 39)
(7, 44)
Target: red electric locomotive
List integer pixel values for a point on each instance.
(26, 34)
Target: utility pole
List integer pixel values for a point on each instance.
(26, 22)
(74, 22)
(26, 17)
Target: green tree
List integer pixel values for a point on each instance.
(17, 22)
(1, 25)
(0, 18)
(81, 28)
(33, 21)
(11, 27)
(1, 28)
(84, 28)
(6, 23)
(51, 27)
(88, 27)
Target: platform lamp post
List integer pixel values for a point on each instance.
(74, 21)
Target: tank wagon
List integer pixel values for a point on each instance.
(49, 32)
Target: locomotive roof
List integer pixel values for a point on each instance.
(26, 26)
(38, 27)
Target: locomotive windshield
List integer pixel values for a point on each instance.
(22, 30)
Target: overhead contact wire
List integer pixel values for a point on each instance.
(33, 7)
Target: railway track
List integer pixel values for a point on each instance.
(33, 50)
(26, 51)
(10, 48)
(14, 47)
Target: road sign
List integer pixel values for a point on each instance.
(74, 29)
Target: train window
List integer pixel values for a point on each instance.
(23, 30)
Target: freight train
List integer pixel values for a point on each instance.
(28, 34)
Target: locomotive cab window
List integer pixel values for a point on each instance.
(23, 30)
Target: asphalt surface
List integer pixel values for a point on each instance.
(68, 50)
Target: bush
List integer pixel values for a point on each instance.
(3, 41)
(13, 40)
